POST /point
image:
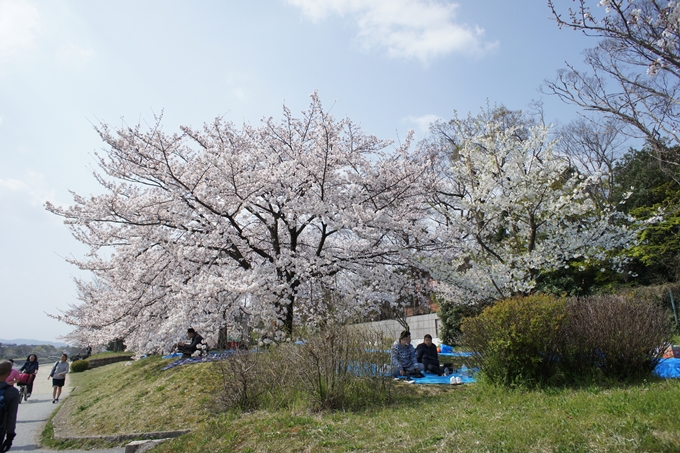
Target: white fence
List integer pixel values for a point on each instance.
(418, 325)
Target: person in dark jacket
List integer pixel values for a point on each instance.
(10, 396)
(426, 353)
(188, 349)
(30, 366)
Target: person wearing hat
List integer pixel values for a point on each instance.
(403, 355)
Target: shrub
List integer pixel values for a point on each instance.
(79, 366)
(343, 368)
(451, 315)
(517, 339)
(618, 336)
(337, 368)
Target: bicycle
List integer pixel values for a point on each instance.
(24, 380)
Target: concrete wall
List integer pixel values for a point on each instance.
(94, 363)
(419, 326)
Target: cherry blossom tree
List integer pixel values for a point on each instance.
(512, 207)
(210, 227)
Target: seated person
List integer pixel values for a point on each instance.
(426, 353)
(188, 349)
(403, 356)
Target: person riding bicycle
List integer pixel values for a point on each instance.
(30, 367)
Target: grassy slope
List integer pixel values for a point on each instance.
(139, 398)
(119, 398)
(644, 418)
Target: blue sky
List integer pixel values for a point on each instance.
(390, 65)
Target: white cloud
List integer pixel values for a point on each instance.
(423, 122)
(71, 53)
(33, 189)
(423, 29)
(19, 23)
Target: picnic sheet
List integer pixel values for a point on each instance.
(455, 354)
(214, 357)
(434, 379)
(668, 369)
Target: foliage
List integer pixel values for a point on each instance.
(209, 227)
(541, 339)
(517, 340)
(19, 352)
(634, 75)
(451, 316)
(654, 197)
(618, 336)
(141, 398)
(334, 369)
(512, 208)
(79, 366)
(342, 368)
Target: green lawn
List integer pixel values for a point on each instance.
(634, 418)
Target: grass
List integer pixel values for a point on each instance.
(120, 399)
(136, 398)
(469, 419)
(105, 355)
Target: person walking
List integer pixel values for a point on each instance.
(58, 375)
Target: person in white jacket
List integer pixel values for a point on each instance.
(58, 375)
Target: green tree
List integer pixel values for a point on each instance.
(653, 198)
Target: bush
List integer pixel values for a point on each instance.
(618, 336)
(79, 366)
(244, 376)
(451, 315)
(332, 369)
(343, 368)
(517, 339)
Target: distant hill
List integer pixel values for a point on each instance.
(19, 341)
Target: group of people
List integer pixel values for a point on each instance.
(411, 362)
(10, 396)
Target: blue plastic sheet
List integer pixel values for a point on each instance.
(668, 369)
(455, 354)
(434, 379)
(209, 358)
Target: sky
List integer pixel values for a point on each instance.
(389, 65)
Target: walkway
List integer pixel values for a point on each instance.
(34, 413)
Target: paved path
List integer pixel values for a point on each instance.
(34, 413)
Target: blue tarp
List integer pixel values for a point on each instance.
(668, 369)
(434, 379)
(455, 354)
(209, 358)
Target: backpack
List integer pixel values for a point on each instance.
(3, 412)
